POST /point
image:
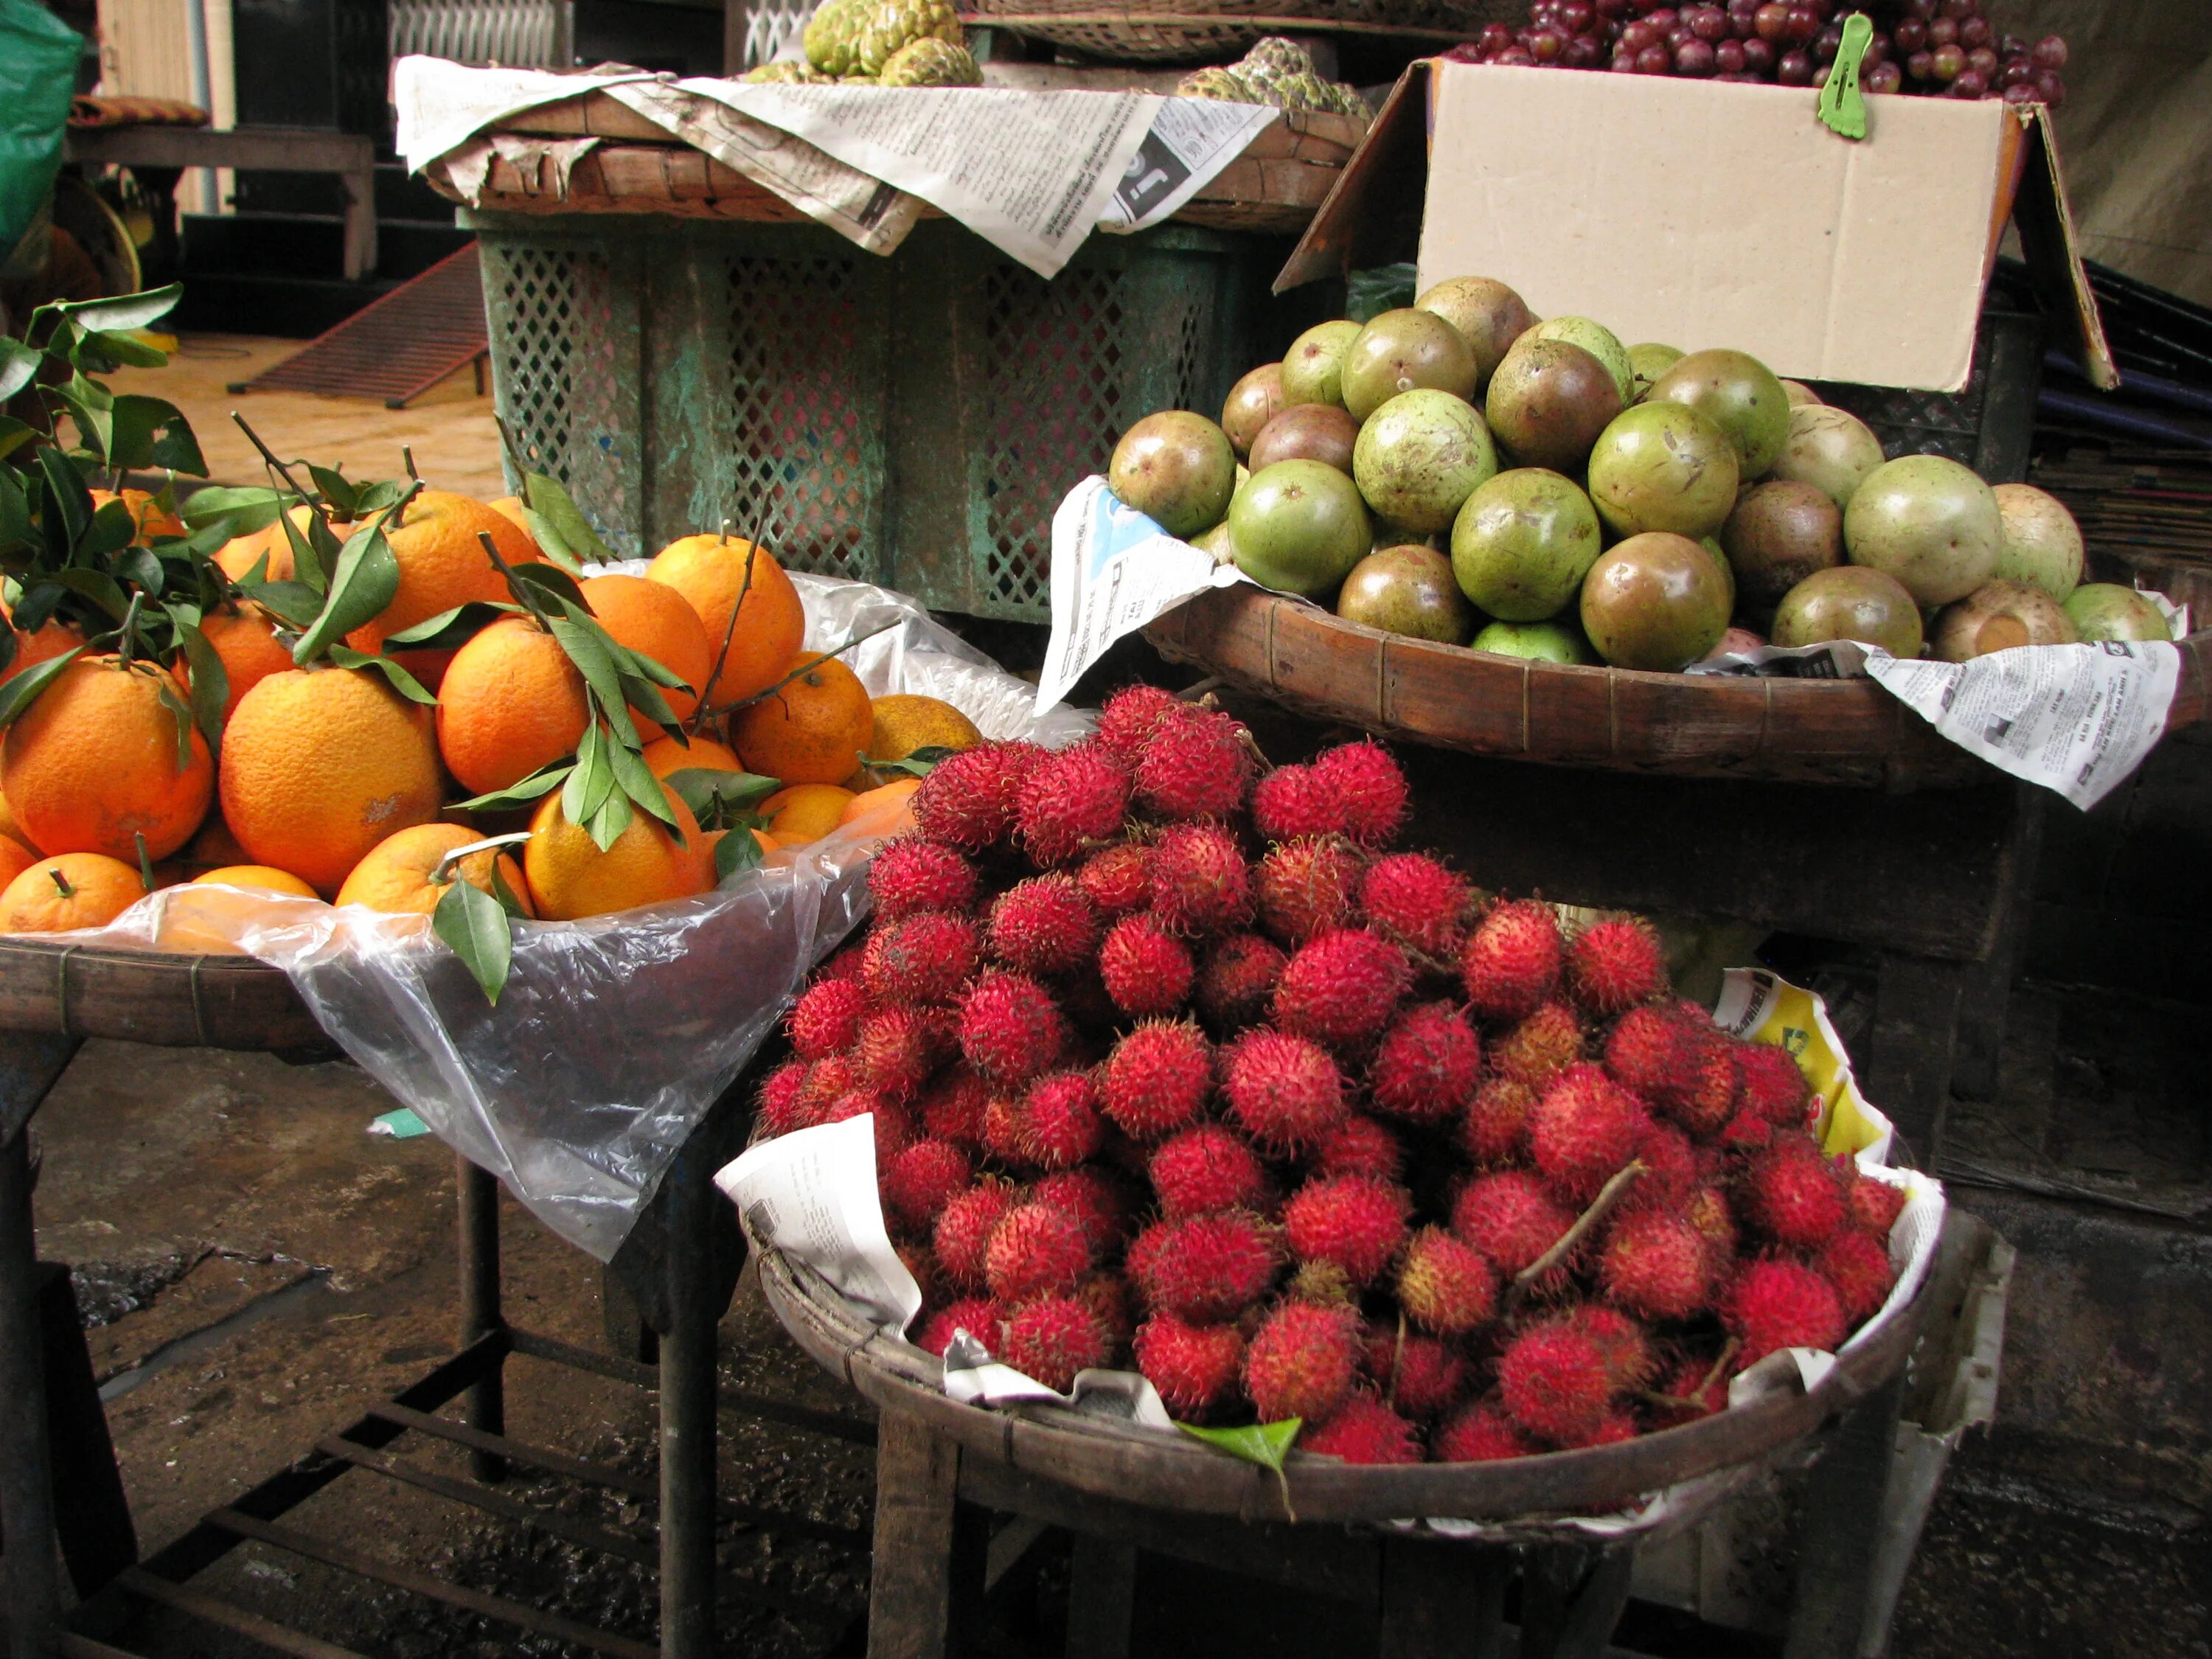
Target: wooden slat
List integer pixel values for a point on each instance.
(227, 1615)
(150, 996)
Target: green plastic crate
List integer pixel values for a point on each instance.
(912, 421)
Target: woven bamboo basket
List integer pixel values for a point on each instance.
(161, 997)
(1195, 31)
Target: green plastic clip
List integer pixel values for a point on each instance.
(1842, 109)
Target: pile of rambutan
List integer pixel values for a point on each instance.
(1175, 1062)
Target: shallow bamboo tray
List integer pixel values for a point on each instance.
(1140, 1466)
(1848, 733)
(151, 996)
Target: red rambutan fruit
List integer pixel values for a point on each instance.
(1495, 1130)
(923, 958)
(1670, 1173)
(967, 800)
(1643, 1052)
(1109, 1299)
(1655, 1266)
(1554, 1381)
(1127, 719)
(1200, 882)
(1194, 765)
(1775, 1303)
(1875, 1205)
(1156, 1080)
(1011, 1030)
(1117, 879)
(1051, 1338)
(1427, 1065)
(1302, 1361)
(1413, 900)
(826, 1017)
(1583, 1130)
(1340, 987)
(1306, 887)
(825, 1079)
(894, 1128)
(1205, 1167)
(1075, 797)
(1043, 926)
(964, 1227)
(1419, 1376)
(896, 1050)
(1194, 1367)
(1446, 1285)
(1096, 1201)
(1363, 1430)
(1367, 788)
(1703, 1094)
(978, 1315)
(1479, 1432)
(917, 1183)
(1858, 1264)
(780, 1090)
(951, 1108)
(1205, 1268)
(915, 874)
(1707, 1210)
(1035, 1249)
(1357, 1224)
(1793, 1195)
(1687, 1384)
(1511, 1217)
(1772, 1084)
(1238, 979)
(1146, 970)
(1285, 1090)
(1539, 1048)
(1056, 1124)
(1615, 964)
(1511, 963)
(1357, 1145)
(1630, 1359)
(1288, 804)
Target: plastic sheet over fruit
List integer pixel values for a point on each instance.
(614, 1035)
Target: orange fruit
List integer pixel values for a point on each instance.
(255, 879)
(204, 917)
(395, 877)
(10, 828)
(441, 564)
(883, 812)
(571, 876)
(665, 755)
(49, 640)
(509, 508)
(320, 764)
(710, 572)
(237, 557)
(511, 702)
(246, 640)
(805, 813)
(654, 620)
(15, 859)
(151, 521)
(813, 730)
(77, 889)
(92, 763)
(905, 722)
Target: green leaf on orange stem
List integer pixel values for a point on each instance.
(553, 580)
(549, 504)
(636, 780)
(182, 714)
(125, 311)
(211, 686)
(615, 816)
(18, 366)
(1264, 1443)
(718, 798)
(19, 691)
(591, 783)
(366, 577)
(477, 927)
(738, 850)
(541, 782)
(449, 629)
(344, 656)
(151, 432)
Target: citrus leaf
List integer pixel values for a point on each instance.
(476, 926)
(920, 764)
(550, 543)
(112, 529)
(648, 668)
(112, 347)
(336, 489)
(293, 604)
(142, 569)
(553, 580)
(19, 691)
(344, 656)
(15, 513)
(615, 816)
(375, 497)
(246, 509)
(210, 679)
(18, 366)
(736, 850)
(150, 432)
(367, 576)
(167, 696)
(709, 792)
(591, 652)
(645, 697)
(67, 506)
(94, 585)
(14, 433)
(126, 312)
(592, 782)
(506, 894)
(308, 567)
(450, 628)
(541, 782)
(92, 408)
(550, 502)
(637, 781)
(1264, 1443)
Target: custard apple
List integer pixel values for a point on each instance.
(1306, 91)
(1272, 56)
(930, 62)
(1223, 84)
(833, 36)
(895, 23)
(792, 75)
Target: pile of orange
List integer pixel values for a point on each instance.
(328, 783)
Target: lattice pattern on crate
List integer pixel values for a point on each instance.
(1909, 422)
(769, 26)
(534, 327)
(806, 440)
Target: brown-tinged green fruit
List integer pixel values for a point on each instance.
(1300, 526)
(1547, 403)
(1251, 404)
(1655, 601)
(1419, 456)
(1404, 350)
(1601, 342)
(1539, 642)
(1780, 533)
(1489, 315)
(1829, 448)
(1662, 466)
(2000, 615)
(2038, 543)
(1522, 543)
(1799, 394)
(1740, 395)
(1648, 362)
(1177, 469)
(1850, 602)
(1307, 432)
(1313, 367)
(1928, 521)
(2106, 610)
(1406, 590)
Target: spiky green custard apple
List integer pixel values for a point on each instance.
(832, 40)
(792, 75)
(892, 24)
(1272, 55)
(1224, 85)
(1307, 91)
(930, 62)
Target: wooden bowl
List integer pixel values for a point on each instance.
(1848, 733)
(151, 996)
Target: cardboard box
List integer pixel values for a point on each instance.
(1707, 214)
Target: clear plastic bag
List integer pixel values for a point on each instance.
(614, 1035)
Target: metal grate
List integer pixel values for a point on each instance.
(396, 347)
(770, 25)
(536, 290)
(519, 34)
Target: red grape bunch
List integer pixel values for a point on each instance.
(1928, 46)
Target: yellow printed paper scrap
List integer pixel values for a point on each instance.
(1762, 1007)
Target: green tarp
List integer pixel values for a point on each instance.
(38, 73)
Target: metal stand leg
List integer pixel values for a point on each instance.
(688, 1417)
(485, 1406)
(28, 1067)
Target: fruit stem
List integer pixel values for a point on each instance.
(1585, 1224)
(442, 871)
(127, 629)
(809, 667)
(523, 596)
(145, 861)
(1729, 1350)
(61, 881)
(407, 459)
(729, 632)
(269, 456)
